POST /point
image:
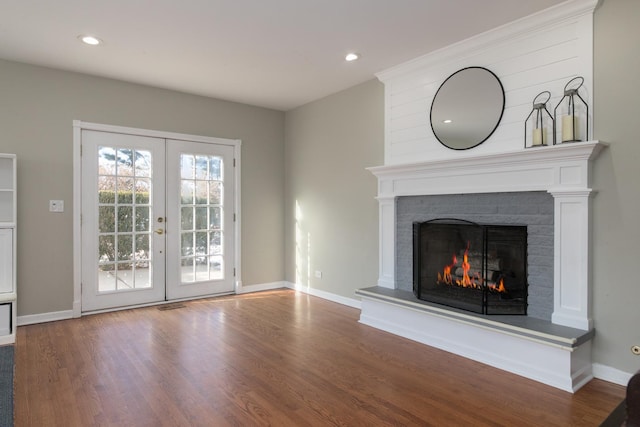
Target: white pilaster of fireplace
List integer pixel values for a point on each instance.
(562, 170)
(571, 290)
(387, 259)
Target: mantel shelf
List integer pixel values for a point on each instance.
(553, 153)
(558, 168)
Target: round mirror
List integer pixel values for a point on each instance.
(467, 108)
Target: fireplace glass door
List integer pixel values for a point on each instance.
(479, 268)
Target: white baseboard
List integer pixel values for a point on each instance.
(31, 319)
(612, 375)
(244, 289)
(351, 302)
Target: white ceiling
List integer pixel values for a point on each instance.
(272, 53)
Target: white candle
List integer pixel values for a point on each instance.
(539, 137)
(567, 128)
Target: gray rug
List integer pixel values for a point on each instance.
(6, 386)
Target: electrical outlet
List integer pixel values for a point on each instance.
(56, 205)
(318, 274)
(636, 350)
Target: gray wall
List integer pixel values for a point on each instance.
(328, 145)
(37, 107)
(616, 205)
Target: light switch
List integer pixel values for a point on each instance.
(56, 205)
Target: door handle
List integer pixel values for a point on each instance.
(159, 231)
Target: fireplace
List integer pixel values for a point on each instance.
(469, 266)
(552, 343)
(554, 349)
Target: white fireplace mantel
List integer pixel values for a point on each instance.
(562, 170)
(537, 53)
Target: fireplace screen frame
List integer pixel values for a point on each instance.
(490, 239)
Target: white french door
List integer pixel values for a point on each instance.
(200, 241)
(157, 219)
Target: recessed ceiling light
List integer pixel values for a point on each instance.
(351, 57)
(91, 40)
(447, 121)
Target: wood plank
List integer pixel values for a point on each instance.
(271, 358)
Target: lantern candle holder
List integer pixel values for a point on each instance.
(573, 112)
(538, 122)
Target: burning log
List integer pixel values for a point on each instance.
(475, 259)
(467, 272)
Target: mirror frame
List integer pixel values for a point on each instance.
(481, 138)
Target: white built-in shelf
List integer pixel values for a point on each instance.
(8, 293)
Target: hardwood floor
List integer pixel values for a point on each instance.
(274, 358)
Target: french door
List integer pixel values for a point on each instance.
(157, 219)
(200, 241)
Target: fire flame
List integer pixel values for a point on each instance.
(466, 281)
(446, 277)
(499, 287)
(473, 281)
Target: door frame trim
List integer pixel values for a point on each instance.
(78, 127)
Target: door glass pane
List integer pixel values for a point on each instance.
(106, 189)
(215, 193)
(142, 255)
(187, 274)
(106, 219)
(201, 243)
(186, 218)
(141, 188)
(125, 190)
(202, 191)
(124, 162)
(215, 218)
(143, 163)
(201, 167)
(142, 218)
(201, 218)
(186, 247)
(125, 246)
(202, 269)
(187, 163)
(124, 218)
(186, 193)
(215, 168)
(124, 276)
(106, 249)
(215, 243)
(201, 186)
(215, 264)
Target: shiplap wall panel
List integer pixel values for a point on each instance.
(537, 53)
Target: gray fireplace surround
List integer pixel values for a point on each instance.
(532, 208)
